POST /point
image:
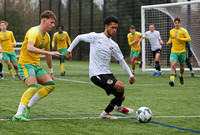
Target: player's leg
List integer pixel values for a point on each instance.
(173, 61)
(1, 74)
(13, 59)
(157, 65)
(154, 56)
(181, 58)
(6, 58)
(133, 60)
(189, 66)
(62, 64)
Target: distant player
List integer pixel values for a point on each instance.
(36, 42)
(178, 37)
(1, 65)
(61, 38)
(133, 38)
(155, 41)
(102, 47)
(188, 55)
(7, 41)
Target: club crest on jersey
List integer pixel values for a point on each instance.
(111, 48)
(5, 37)
(42, 43)
(109, 81)
(60, 37)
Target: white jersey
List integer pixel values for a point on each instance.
(154, 38)
(101, 50)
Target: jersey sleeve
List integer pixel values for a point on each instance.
(47, 47)
(117, 54)
(159, 37)
(130, 42)
(145, 36)
(32, 35)
(53, 41)
(170, 39)
(68, 40)
(187, 37)
(13, 38)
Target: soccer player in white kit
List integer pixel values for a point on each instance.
(155, 41)
(102, 47)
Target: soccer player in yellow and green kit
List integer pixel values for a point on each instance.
(36, 42)
(8, 42)
(178, 37)
(133, 38)
(62, 38)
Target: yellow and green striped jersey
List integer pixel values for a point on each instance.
(131, 40)
(178, 43)
(41, 41)
(6, 40)
(61, 40)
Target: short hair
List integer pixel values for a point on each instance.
(48, 14)
(60, 26)
(109, 19)
(4, 22)
(132, 27)
(152, 24)
(177, 19)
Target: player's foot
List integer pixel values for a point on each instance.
(154, 73)
(1, 75)
(192, 74)
(13, 78)
(63, 73)
(171, 83)
(124, 110)
(181, 80)
(26, 112)
(159, 73)
(107, 116)
(140, 64)
(18, 76)
(2, 78)
(19, 118)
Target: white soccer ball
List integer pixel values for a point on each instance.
(143, 114)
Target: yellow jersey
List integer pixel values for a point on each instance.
(41, 41)
(131, 40)
(61, 40)
(178, 43)
(6, 40)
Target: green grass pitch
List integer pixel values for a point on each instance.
(74, 106)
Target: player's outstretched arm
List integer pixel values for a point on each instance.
(139, 41)
(127, 70)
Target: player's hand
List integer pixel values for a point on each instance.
(132, 80)
(14, 44)
(161, 42)
(167, 43)
(137, 40)
(56, 53)
(52, 76)
(69, 55)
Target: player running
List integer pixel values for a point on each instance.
(61, 38)
(8, 42)
(36, 39)
(133, 38)
(178, 37)
(155, 41)
(102, 47)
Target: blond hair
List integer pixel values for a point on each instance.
(4, 22)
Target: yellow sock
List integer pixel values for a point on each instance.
(133, 70)
(181, 74)
(16, 70)
(44, 91)
(62, 67)
(28, 94)
(172, 77)
(11, 72)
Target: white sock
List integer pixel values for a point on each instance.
(20, 109)
(33, 100)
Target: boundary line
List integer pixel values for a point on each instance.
(162, 124)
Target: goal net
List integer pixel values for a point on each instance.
(162, 16)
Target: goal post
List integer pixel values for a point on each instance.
(162, 15)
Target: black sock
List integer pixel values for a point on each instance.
(1, 67)
(157, 65)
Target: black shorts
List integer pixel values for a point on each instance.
(156, 51)
(105, 81)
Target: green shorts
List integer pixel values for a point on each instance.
(9, 56)
(178, 57)
(134, 53)
(63, 52)
(26, 70)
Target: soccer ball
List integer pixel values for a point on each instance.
(143, 114)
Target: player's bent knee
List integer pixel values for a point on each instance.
(119, 86)
(47, 89)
